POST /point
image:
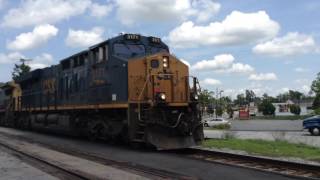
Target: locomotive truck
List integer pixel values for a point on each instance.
(127, 88)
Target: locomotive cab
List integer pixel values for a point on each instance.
(159, 87)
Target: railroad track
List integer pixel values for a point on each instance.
(66, 174)
(48, 167)
(144, 170)
(290, 169)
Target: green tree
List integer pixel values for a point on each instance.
(316, 102)
(241, 100)
(230, 111)
(317, 111)
(20, 69)
(219, 111)
(205, 97)
(295, 109)
(266, 107)
(283, 97)
(295, 95)
(271, 99)
(250, 96)
(210, 110)
(315, 86)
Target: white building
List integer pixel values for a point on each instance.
(283, 109)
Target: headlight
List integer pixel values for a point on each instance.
(165, 62)
(162, 96)
(165, 59)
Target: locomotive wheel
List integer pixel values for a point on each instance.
(26, 122)
(96, 130)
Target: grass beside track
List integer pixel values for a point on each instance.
(266, 148)
(294, 117)
(219, 127)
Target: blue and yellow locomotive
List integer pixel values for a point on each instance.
(128, 87)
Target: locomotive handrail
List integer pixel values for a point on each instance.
(178, 121)
(144, 86)
(197, 81)
(139, 97)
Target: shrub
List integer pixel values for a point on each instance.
(295, 109)
(221, 127)
(317, 111)
(219, 111)
(266, 108)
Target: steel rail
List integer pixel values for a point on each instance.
(135, 168)
(66, 172)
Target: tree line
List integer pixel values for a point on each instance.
(225, 104)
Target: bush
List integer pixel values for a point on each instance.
(317, 111)
(266, 108)
(295, 109)
(219, 111)
(210, 110)
(316, 102)
(221, 127)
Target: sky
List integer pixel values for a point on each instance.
(268, 46)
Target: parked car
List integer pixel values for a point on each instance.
(210, 122)
(313, 125)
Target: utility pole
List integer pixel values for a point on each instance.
(23, 60)
(216, 106)
(218, 95)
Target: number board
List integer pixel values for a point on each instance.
(132, 37)
(155, 40)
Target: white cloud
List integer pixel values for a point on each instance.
(233, 92)
(134, 11)
(240, 68)
(219, 62)
(236, 28)
(305, 89)
(209, 8)
(33, 12)
(301, 70)
(82, 38)
(98, 10)
(210, 82)
(40, 35)
(10, 58)
(42, 61)
(263, 77)
(223, 63)
(292, 43)
(284, 90)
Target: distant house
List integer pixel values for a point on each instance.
(283, 109)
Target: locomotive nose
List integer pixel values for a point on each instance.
(163, 79)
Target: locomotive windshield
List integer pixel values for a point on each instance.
(129, 50)
(158, 49)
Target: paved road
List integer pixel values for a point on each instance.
(162, 160)
(266, 125)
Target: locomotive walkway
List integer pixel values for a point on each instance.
(149, 163)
